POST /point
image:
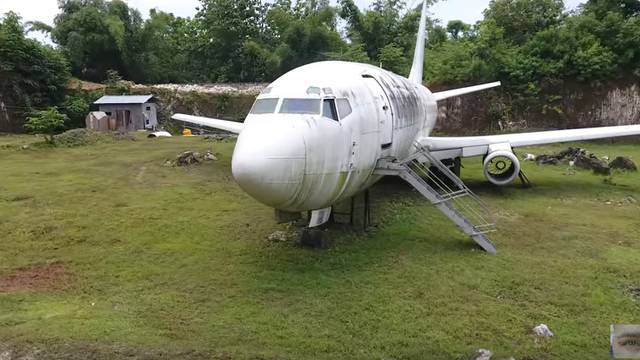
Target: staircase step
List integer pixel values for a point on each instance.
(456, 201)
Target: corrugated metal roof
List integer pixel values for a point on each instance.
(124, 99)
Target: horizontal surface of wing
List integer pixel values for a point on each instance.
(462, 91)
(527, 139)
(231, 126)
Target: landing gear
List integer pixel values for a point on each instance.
(366, 210)
(316, 234)
(526, 183)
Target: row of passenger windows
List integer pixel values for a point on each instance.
(331, 108)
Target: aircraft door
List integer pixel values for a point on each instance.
(383, 111)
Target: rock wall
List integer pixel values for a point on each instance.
(224, 101)
(572, 106)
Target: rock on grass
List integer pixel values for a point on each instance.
(623, 163)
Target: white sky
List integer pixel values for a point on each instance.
(468, 11)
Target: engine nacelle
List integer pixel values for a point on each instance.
(501, 167)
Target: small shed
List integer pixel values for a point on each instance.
(97, 120)
(129, 112)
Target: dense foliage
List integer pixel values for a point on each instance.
(522, 42)
(31, 75)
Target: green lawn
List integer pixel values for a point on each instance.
(167, 262)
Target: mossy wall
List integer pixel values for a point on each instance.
(231, 105)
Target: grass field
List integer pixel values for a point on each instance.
(149, 261)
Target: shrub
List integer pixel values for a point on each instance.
(82, 137)
(46, 122)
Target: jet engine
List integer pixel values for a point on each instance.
(501, 167)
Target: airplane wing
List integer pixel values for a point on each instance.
(231, 126)
(462, 91)
(468, 146)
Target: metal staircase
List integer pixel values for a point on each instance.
(446, 191)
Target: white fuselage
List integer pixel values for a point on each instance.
(297, 158)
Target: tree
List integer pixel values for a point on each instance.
(166, 45)
(97, 36)
(393, 58)
(387, 31)
(457, 28)
(223, 28)
(601, 8)
(46, 122)
(32, 75)
(307, 32)
(521, 19)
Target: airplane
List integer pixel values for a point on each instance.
(326, 131)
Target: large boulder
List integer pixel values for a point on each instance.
(591, 162)
(188, 158)
(623, 163)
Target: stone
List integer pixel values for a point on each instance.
(219, 137)
(210, 157)
(187, 158)
(278, 236)
(547, 160)
(591, 162)
(623, 163)
(481, 354)
(542, 330)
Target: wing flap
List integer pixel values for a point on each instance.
(527, 139)
(231, 126)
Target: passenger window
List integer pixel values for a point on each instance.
(264, 106)
(300, 106)
(344, 108)
(329, 109)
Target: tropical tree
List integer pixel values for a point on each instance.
(98, 36)
(46, 123)
(32, 75)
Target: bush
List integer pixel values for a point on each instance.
(46, 123)
(82, 137)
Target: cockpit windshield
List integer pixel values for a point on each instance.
(264, 106)
(300, 106)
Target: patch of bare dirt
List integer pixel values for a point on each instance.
(36, 278)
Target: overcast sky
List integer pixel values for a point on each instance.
(468, 11)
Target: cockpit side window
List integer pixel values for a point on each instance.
(264, 106)
(344, 108)
(300, 106)
(329, 109)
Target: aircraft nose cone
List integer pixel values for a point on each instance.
(269, 163)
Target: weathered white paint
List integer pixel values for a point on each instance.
(300, 162)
